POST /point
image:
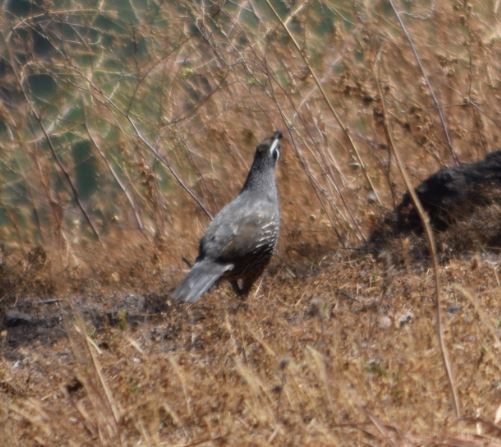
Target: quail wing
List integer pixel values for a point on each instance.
(249, 230)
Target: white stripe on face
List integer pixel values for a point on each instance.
(274, 145)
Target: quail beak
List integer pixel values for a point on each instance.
(277, 135)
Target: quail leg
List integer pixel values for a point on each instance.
(247, 282)
(236, 287)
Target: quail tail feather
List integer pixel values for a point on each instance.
(200, 278)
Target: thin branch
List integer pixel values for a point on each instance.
(52, 148)
(108, 101)
(167, 164)
(436, 102)
(431, 243)
(64, 171)
(306, 168)
(349, 219)
(114, 174)
(327, 100)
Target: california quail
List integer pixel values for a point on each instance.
(239, 242)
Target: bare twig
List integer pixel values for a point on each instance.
(167, 164)
(333, 111)
(63, 169)
(431, 243)
(313, 181)
(114, 174)
(436, 102)
(108, 101)
(52, 148)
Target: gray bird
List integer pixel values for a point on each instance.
(239, 242)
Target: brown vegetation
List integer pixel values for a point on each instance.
(123, 127)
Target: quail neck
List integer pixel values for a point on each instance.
(261, 177)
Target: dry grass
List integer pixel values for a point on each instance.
(346, 355)
(150, 114)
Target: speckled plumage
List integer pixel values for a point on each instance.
(239, 242)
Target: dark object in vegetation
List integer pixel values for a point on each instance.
(464, 207)
(239, 242)
(451, 194)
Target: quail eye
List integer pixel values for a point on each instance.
(275, 154)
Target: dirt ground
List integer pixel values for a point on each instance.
(335, 347)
